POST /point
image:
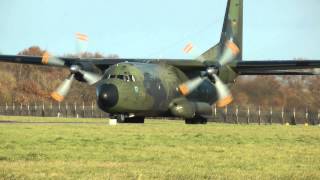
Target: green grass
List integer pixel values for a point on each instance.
(49, 119)
(159, 150)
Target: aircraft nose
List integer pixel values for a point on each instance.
(107, 95)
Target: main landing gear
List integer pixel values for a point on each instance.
(126, 119)
(196, 120)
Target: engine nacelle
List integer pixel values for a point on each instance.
(181, 107)
(86, 66)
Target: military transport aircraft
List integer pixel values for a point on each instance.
(131, 89)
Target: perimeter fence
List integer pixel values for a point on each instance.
(266, 115)
(65, 110)
(231, 114)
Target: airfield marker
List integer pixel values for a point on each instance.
(113, 122)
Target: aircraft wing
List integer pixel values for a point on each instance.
(38, 60)
(280, 67)
(104, 63)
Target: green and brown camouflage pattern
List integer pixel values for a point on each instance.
(154, 88)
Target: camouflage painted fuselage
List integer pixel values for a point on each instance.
(147, 89)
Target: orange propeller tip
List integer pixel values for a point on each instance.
(184, 90)
(82, 37)
(57, 97)
(45, 58)
(233, 47)
(188, 48)
(224, 102)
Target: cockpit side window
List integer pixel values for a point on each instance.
(121, 77)
(126, 78)
(131, 78)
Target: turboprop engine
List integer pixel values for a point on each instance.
(183, 108)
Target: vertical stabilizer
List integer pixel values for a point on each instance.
(231, 31)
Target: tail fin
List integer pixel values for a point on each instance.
(232, 30)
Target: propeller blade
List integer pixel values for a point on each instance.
(189, 86)
(90, 77)
(63, 89)
(224, 94)
(48, 59)
(81, 43)
(231, 51)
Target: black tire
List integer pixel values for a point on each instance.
(120, 119)
(196, 120)
(133, 120)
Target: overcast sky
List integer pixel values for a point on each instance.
(273, 29)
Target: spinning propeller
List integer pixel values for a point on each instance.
(60, 93)
(229, 53)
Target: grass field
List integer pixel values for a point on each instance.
(157, 150)
(49, 119)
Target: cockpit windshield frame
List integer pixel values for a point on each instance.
(126, 78)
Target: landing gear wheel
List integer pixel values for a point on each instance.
(137, 120)
(120, 119)
(196, 120)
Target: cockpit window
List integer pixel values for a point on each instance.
(126, 78)
(122, 77)
(131, 78)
